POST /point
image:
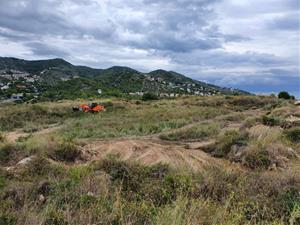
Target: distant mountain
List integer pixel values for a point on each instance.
(57, 79)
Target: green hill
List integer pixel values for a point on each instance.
(58, 79)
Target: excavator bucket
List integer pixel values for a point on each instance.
(98, 108)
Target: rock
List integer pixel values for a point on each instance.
(297, 103)
(42, 198)
(273, 167)
(293, 120)
(91, 194)
(25, 161)
(43, 188)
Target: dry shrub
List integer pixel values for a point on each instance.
(271, 156)
(10, 154)
(219, 184)
(65, 151)
(37, 166)
(286, 111)
(228, 142)
(276, 194)
(264, 134)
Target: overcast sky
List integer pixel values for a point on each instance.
(247, 44)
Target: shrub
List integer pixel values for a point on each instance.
(293, 134)
(38, 166)
(55, 217)
(257, 159)
(10, 153)
(225, 143)
(289, 200)
(7, 220)
(65, 152)
(285, 95)
(2, 137)
(149, 97)
(270, 121)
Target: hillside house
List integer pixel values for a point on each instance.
(16, 97)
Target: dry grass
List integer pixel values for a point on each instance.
(56, 188)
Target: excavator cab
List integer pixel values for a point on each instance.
(94, 107)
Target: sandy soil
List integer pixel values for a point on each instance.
(149, 152)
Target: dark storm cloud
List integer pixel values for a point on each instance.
(227, 42)
(45, 50)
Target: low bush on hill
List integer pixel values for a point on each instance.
(293, 134)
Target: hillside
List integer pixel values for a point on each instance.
(59, 79)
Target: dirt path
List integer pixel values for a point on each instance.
(15, 135)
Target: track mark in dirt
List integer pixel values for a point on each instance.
(15, 135)
(149, 152)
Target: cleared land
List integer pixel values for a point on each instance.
(194, 160)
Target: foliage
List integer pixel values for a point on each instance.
(285, 95)
(271, 120)
(149, 96)
(293, 134)
(195, 132)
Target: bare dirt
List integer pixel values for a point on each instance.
(150, 152)
(15, 135)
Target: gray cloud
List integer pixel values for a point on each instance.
(226, 42)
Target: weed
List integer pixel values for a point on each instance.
(65, 152)
(271, 121)
(257, 158)
(225, 143)
(195, 132)
(293, 134)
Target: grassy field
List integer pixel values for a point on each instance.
(192, 160)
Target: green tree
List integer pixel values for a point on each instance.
(285, 95)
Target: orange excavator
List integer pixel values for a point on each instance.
(93, 108)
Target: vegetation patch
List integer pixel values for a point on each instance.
(293, 134)
(193, 133)
(226, 141)
(10, 153)
(271, 121)
(257, 158)
(67, 152)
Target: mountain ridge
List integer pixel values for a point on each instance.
(58, 78)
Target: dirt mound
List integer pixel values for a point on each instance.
(149, 152)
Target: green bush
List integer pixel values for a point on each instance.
(2, 137)
(270, 121)
(10, 153)
(149, 97)
(55, 217)
(293, 134)
(257, 159)
(38, 166)
(289, 200)
(285, 95)
(226, 141)
(7, 220)
(65, 152)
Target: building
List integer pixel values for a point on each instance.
(16, 97)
